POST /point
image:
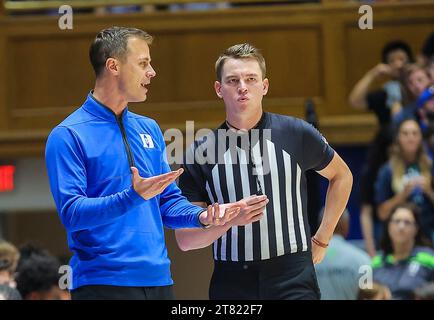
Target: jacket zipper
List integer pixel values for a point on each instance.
(127, 145)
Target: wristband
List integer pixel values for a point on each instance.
(319, 243)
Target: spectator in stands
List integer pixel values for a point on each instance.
(388, 100)
(407, 261)
(384, 103)
(9, 256)
(425, 116)
(38, 275)
(8, 293)
(425, 292)
(338, 274)
(377, 292)
(416, 79)
(425, 110)
(407, 176)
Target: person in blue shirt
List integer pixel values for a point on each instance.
(113, 188)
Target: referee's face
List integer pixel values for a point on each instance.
(242, 87)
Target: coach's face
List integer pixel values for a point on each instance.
(136, 72)
(242, 87)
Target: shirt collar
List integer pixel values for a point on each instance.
(390, 259)
(260, 125)
(95, 107)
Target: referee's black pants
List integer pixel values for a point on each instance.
(105, 292)
(288, 277)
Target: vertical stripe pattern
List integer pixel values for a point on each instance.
(283, 186)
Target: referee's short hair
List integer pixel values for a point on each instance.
(240, 51)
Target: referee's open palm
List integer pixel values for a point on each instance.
(150, 187)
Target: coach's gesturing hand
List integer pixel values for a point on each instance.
(150, 187)
(219, 215)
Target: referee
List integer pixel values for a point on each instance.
(267, 251)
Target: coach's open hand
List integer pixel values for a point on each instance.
(213, 217)
(150, 187)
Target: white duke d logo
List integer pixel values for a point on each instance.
(147, 140)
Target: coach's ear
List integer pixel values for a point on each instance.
(265, 85)
(217, 88)
(112, 66)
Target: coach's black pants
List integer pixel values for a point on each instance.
(291, 276)
(103, 292)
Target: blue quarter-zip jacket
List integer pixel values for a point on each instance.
(116, 236)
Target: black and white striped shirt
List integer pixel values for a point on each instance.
(223, 168)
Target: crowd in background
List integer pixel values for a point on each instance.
(29, 273)
(397, 194)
